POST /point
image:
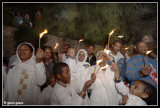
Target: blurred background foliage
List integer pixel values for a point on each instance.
(90, 21)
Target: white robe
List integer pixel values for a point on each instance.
(26, 77)
(132, 99)
(47, 94)
(77, 77)
(103, 90)
(65, 96)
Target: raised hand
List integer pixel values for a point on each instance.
(39, 55)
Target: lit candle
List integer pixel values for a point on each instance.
(56, 46)
(97, 63)
(40, 36)
(107, 51)
(110, 36)
(147, 52)
(79, 43)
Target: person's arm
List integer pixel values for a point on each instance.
(40, 76)
(131, 72)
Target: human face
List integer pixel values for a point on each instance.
(137, 89)
(53, 80)
(116, 47)
(122, 50)
(47, 53)
(65, 76)
(65, 48)
(90, 50)
(141, 48)
(102, 55)
(81, 56)
(24, 52)
(71, 53)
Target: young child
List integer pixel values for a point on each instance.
(139, 93)
(63, 93)
(48, 90)
(71, 60)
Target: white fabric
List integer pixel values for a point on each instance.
(47, 94)
(77, 76)
(64, 57)
(36, 78)
(4, 75)
(103, 90)
(116, 57)
(65, 96)
(132, 99)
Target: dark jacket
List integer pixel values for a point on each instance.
(92, 61)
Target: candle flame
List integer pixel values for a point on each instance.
(126, 48)
(104, 67)
(147, 52)
(112, 32)
(45, 31)
(80, 40)
(106, 51)
(120, 36)
(56, 45)
(99, 61)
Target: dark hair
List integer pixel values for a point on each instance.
(69, 48)
(118, 40)
(91, 45)
(47, 47)
(30, 47)
(152, 94)
(66, 45)
(57, 69)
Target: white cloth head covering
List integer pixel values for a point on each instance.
(19, 60)
(86, 55)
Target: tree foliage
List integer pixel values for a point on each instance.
(94, 21)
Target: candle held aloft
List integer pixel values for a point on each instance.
(41, 35)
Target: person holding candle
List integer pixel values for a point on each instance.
(118, 58)
(26, 76)
(136, 66)
(63, 93)
(139, 94)
(103, 90)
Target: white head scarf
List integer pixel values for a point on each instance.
(33, 57)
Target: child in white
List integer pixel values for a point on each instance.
(48, 90)
(136, 92)
(63, 93)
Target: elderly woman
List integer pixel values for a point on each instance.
(25, 77)
(103, 90)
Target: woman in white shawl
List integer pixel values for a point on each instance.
(77, 74)
(103, 90)
(26, 76)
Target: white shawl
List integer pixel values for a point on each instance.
(25, 77)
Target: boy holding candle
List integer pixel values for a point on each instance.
(63, 93)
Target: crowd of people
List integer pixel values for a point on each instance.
(75, 78)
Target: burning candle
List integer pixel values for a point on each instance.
(56, 45)
(147, 52)
(126, 48)
(100, 69)
(120, 36)
(110, 36)
(107, 51)
(40, 36)
(79, 43)
(97, 62)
